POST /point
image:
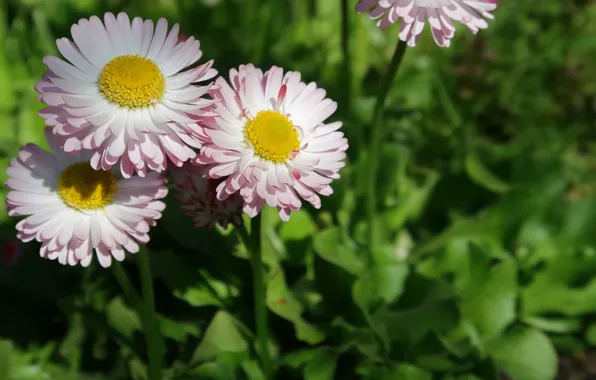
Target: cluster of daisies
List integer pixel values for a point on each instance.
(123, 107)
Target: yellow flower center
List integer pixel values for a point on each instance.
(132, 81)
(82, 187)
(272, 136)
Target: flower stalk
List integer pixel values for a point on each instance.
(377, 135)
(148, 317)
(252, 242)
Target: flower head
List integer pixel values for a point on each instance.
(199, 199)
(73, 210)
(440, 15)
(269, 141)
(123, 94)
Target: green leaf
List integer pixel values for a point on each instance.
(412, 205)
(318, 363)
(322, 366)
(489, 298)
(5, 353)
(224, 334)
(401, 371)
(214, 371)
(300, 226)
(177, 330)
(383, 282)
(252, 370)
(329, 245)
(198, 297)
(122, 318)
(413, 324)
(554, 325)
(525, 354)
(435, 363)
(553, 289)
(591, 334)
(283, 303)
(483, 176)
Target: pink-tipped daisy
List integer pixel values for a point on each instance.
(440, 15)
(269, 141)
(73, 210)
(123, 94)
(198, 198)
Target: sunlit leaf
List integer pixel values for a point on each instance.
(525, 354)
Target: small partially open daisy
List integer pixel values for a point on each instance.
(269, 140)
(124, 94)
(440, 13)
(199, 199)
(73, 210)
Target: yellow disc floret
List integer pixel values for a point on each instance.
(272, 135)
(82, 187)
(132, 81)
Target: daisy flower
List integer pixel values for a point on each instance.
(198, 198)
(123, 94)
(73, 210)
(440, 15)
(269, 141)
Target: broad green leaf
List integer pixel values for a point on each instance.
(224, 334)
(177, 330)
(412, 205)
(252, 370)
(591, 334)
(214, 371)
(554, 325)
(200, 296)
(300, 226)
(322, 366)
(525, 354)
(122, 318)
(413, 324)
(329, 245)
(483, 176)
(553, 290)
(282, 302)
(435, 363)
(383, 282)
(489, 298)
(318, 363)
(400, 371)
(5, 353)
(137, 369)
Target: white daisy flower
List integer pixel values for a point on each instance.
(440, 15)
(269, 141)
(73, 210)
(123, 94)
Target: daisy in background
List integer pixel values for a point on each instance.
(440, 15)
(269, 141)
(73, 210)
(123, 94)
(198, 198)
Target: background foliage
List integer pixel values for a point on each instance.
(487, 195)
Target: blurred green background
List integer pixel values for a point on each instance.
(487, 197)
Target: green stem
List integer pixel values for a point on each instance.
(374, 150)
(148, 317)
(252, 243)
(129, 291)
(345, 45)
